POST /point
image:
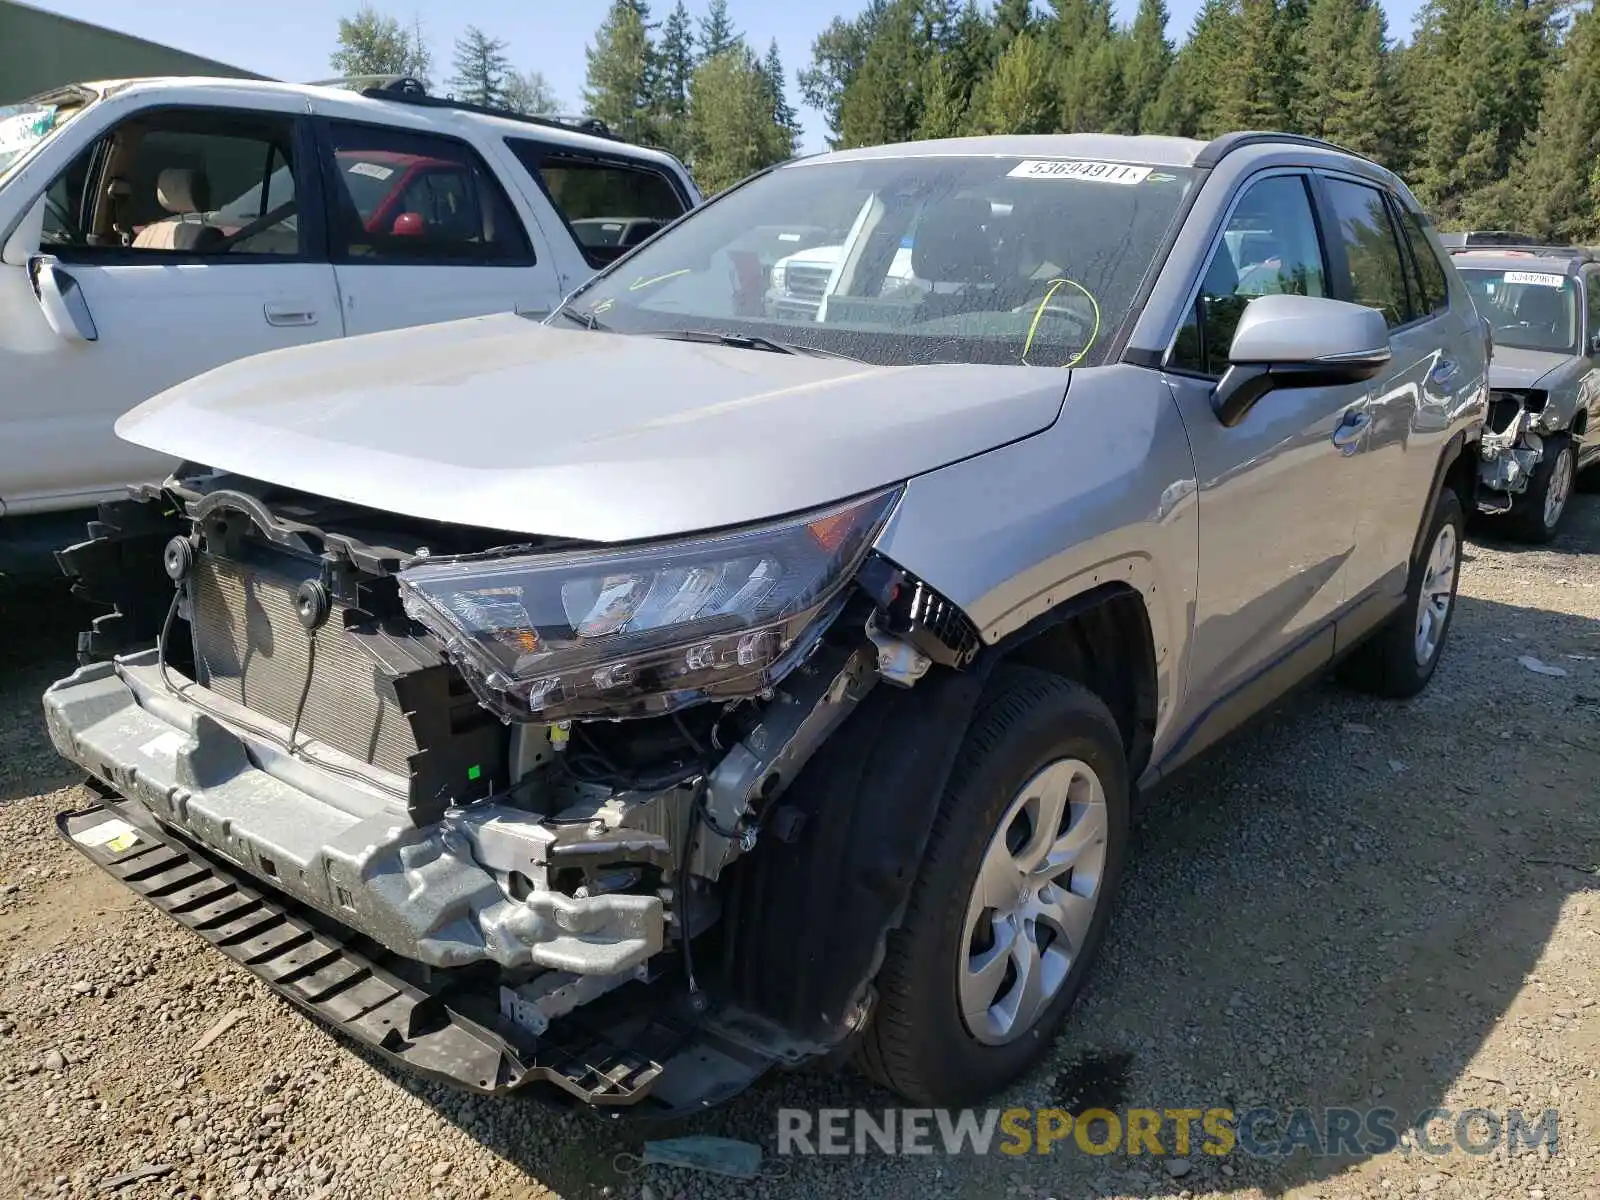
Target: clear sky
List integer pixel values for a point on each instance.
(291, 39)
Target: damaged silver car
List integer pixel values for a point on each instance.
(675, 689)
(1544, 305)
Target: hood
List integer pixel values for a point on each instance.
(1512, 367)
(500, 423)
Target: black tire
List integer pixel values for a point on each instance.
(918, 1043)
(1526, 520)
(1386, 663)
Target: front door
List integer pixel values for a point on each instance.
(423, 231)
(180, 233)
(1277, 508)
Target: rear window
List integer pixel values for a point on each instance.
(610, 206)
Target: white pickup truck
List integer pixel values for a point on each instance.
(151, 230)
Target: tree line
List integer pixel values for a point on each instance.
(1490, 109)
(694, 88)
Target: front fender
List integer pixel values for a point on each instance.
(1107, 495)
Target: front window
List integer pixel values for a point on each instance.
(26, 127)
(994, 259)
(1530, 310)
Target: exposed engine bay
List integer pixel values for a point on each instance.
(518, 772)
(1512, 445)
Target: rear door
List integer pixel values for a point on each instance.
(1373, 265)
(609, 203)
(186, 238)
(422, 231)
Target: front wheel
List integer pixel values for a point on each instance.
(1012, 897)
(1536, 514)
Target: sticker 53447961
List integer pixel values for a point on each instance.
(1536, 278)
(1099, 172)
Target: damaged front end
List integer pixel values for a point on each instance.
(1512, 445)
(497, 782)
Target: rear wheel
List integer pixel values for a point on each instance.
(1536, 514)
(1399, 659)
(1011, 899)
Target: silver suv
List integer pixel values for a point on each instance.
(672, 690)
(1544, 379)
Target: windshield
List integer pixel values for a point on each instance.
(907, 260)
(1530, 310)
(24, 127)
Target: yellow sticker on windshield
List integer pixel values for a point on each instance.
(1098, 172)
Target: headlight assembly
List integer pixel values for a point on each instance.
(647, 629)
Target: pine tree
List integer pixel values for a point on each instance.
(1252, 92)
(1561, 175)
(1011, 17)
(731, 118)
(1020, 96)
(621, 63)
(1486, 61)
(1146, 62)
(883, 102)
(373, 43)
(1088, 76)
(783, 113)
(482, 69)
(1346, 79)
(530, 92)
(717, 34)
(837, 55)
(674, 65)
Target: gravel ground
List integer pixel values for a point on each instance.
(1360, 904)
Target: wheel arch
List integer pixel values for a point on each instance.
(805, 921)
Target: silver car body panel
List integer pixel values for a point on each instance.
(473, 422)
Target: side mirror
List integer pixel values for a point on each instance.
(23, 243)
(62, 300)
(409, 224)
(1298, 341)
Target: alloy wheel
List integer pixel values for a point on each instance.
(1038, 887)
(1438, 594)
(1560, 489)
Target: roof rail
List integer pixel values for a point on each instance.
(1499, 241)
(1218, 148)
(406, 90)
(350, 81)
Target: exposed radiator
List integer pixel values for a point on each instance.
(250, 647)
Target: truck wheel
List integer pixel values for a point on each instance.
(1012, 896)
(1398, 660)
(1536, 514)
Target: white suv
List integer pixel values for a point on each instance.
(155, 229)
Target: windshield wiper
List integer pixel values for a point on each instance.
(584, 317)
(744, 341)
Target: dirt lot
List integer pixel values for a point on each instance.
(1359, 905)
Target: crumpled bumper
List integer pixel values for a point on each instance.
(439, 895)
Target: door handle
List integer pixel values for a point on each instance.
(62, 299)
(288, 314)
(1348, 436)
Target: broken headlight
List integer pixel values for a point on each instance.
(647, 629)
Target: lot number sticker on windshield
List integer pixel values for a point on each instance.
(1099, 172)
(1536, 278)
(371, 170)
